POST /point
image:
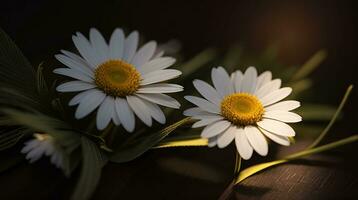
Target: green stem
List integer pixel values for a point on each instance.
(228, 191)
(259, 167)
(323, 147)
(334, 118)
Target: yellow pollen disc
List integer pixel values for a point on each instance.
(242, 109)
(117, 78)
(41, 137)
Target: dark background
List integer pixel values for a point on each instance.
(300, 28)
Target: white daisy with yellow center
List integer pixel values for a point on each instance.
(118, 79)
(43, 144)
(244, 107)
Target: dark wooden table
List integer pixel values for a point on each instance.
(197, 173)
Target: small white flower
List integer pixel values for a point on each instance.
(244, 107)
(43, 144)
(119, 79)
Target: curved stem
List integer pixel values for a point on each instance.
(228, 191)
(333, 120)
(259, 167)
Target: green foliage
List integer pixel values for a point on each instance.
(137, 147)
(316, 112)
(196, 63)
(15, 70)
(37, 122)
(10, 138)
(259, 167)
(310, 65)
(92, 162)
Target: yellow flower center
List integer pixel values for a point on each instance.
(42, 137)
(242, 109)
(117, 78)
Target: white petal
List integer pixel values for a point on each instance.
(74, 86)
(75, 62)
(227, 137)
(36, 153)
(212, 141)
(50, 149)
(85, 49)
(155, 111)
(257, 140)
(263, 79)
(140, 109)
(284, 105)
(215, 128)
(222, 81)
(276, 96)
(283, 116)
(144, 54)
(279, 139)
(268, 88)
(195, 111)
(207, 91)
(73, 73)
(158, 54)
(160, 88)
(206, 121)
(207, 116)
(276, 127)
(238, 80)
(105, 113)
(116, 44)
(159, 76)
(130, 46)
(89, 102)
(232, 77)
(248, 83)
(203, 104)
(161, 99)
(29, 145)
(242, 144)
(115, 118)
(99, 45)
(156, 64)
(125, 114)
(78, 98)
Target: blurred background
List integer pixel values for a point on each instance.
(291, 30)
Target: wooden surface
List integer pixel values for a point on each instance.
(196, 173)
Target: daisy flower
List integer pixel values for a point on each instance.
(118, 79)
(43, 144)
(246, 108)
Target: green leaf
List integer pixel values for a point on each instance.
(138, 147)
(15, 70)
(41, 85)
(310, 65)
(316, 112)
(232, 57)
(10, 138)
(197, 62)
(36, 121)
(300, 86)
(12, 98)
(92, 163)
(199, 142)
(334, 118)
(259, 167)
